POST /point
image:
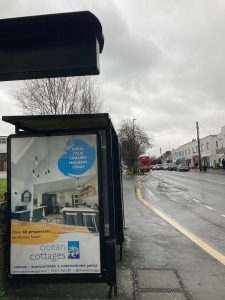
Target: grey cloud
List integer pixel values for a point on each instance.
(127, 58)
(163, 62)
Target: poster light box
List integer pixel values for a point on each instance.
(64, 199)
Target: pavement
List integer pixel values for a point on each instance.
(159, 263)
(210, 170)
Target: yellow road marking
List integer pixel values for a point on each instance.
(209, 207)
(196, 200)
(211, 251)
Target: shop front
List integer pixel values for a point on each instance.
(195, 161)
(206, 161)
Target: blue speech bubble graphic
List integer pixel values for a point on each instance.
(78, 158)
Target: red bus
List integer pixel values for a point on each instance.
(144, 163)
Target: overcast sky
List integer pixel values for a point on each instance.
(163, 64)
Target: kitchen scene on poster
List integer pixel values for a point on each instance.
(54, 205)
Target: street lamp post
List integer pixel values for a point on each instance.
(133, 150)
(133, 127)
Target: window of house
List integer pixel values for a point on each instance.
(207, 146)
(216, 144)
(3, 140)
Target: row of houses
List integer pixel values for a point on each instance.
(212, 148)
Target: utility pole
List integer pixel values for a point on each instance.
(199, 150)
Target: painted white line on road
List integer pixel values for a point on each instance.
(196, 200)
(216, 182)
(209, 207)
(211, 251)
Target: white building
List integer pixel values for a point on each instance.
(208, 151)
(212, 149)
(220, 146)
(3, 151)
(187, 153)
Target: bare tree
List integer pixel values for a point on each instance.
(134, 141)
(64, 95)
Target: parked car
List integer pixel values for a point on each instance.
(166, 166)
(172, 167)
(154, 167)
(159, 167)
(182, 168)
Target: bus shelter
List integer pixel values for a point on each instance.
(65, 205)
(65, 202)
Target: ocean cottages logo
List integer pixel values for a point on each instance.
(57, 252)
(73, 250)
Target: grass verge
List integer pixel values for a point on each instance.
(3, 296)
(130, 173)
(3, 187)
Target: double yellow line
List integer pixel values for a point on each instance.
(211, 251)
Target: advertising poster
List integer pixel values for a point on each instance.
(54, 205)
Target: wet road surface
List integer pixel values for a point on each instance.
(151, 243)
(194, 200)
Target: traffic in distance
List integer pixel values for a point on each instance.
(170, 167)
(145, 165)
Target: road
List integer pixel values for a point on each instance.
(194, 200)
(154, 243)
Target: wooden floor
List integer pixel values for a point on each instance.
(53, 219)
